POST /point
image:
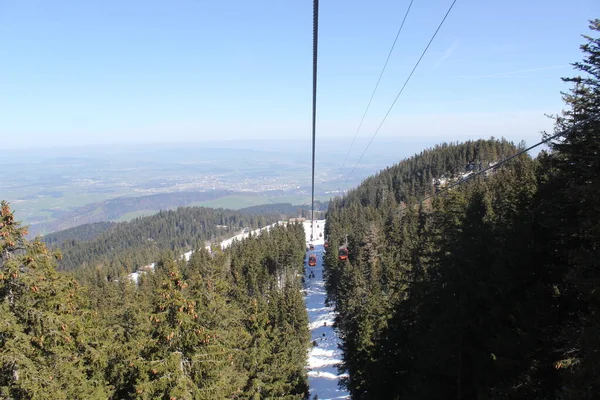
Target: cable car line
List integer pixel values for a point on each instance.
(314, 108)
(403, 86)
(376, 86)
(564, 132)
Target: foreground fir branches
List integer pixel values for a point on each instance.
(231, 324)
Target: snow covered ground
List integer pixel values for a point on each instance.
(319, 228)
(323, 359)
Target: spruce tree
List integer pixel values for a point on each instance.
(571, 207)
(42, 341)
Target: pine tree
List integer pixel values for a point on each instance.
(175, 338)
(41, 336)
(571, 206)
(218, 365)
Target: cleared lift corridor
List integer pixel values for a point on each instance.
(325, 356)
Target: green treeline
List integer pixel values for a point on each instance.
(141, 241)
(489, 291)
(231, 324)
(287, 210)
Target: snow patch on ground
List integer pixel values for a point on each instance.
(141, 270)
(318, 233)
(322, 320)
(320, 362)
(324, 375)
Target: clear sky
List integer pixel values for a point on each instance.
(127, 71)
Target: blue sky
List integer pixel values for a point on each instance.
(102, 72)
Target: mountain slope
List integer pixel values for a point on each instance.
(415, 300)
(141, 241)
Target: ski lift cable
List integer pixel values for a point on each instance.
(564, 132)
(376, 86)
(314, 108)
(403, 86)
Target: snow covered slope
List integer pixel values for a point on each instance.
(323, 358)
(319, 228)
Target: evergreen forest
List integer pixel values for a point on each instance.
(488, 290)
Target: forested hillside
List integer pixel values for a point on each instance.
(488, 291)
(141, 241)
(227, 325)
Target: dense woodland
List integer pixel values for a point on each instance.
(139, 242)
(231, 324)
(489, 290)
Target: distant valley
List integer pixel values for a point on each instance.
(56, 189)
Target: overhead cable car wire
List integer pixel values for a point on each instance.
(402, 89)
(499, 163)
(314, 109)
(376, 86)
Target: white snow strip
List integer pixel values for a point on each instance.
(317, 352)
(321, 309)
(134, 277)
(324, 358)
(324, 375)
(326, 320)
(318, 362)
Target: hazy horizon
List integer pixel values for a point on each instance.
(117, 74)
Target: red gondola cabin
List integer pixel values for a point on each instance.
(343, 253)
(312, 260)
